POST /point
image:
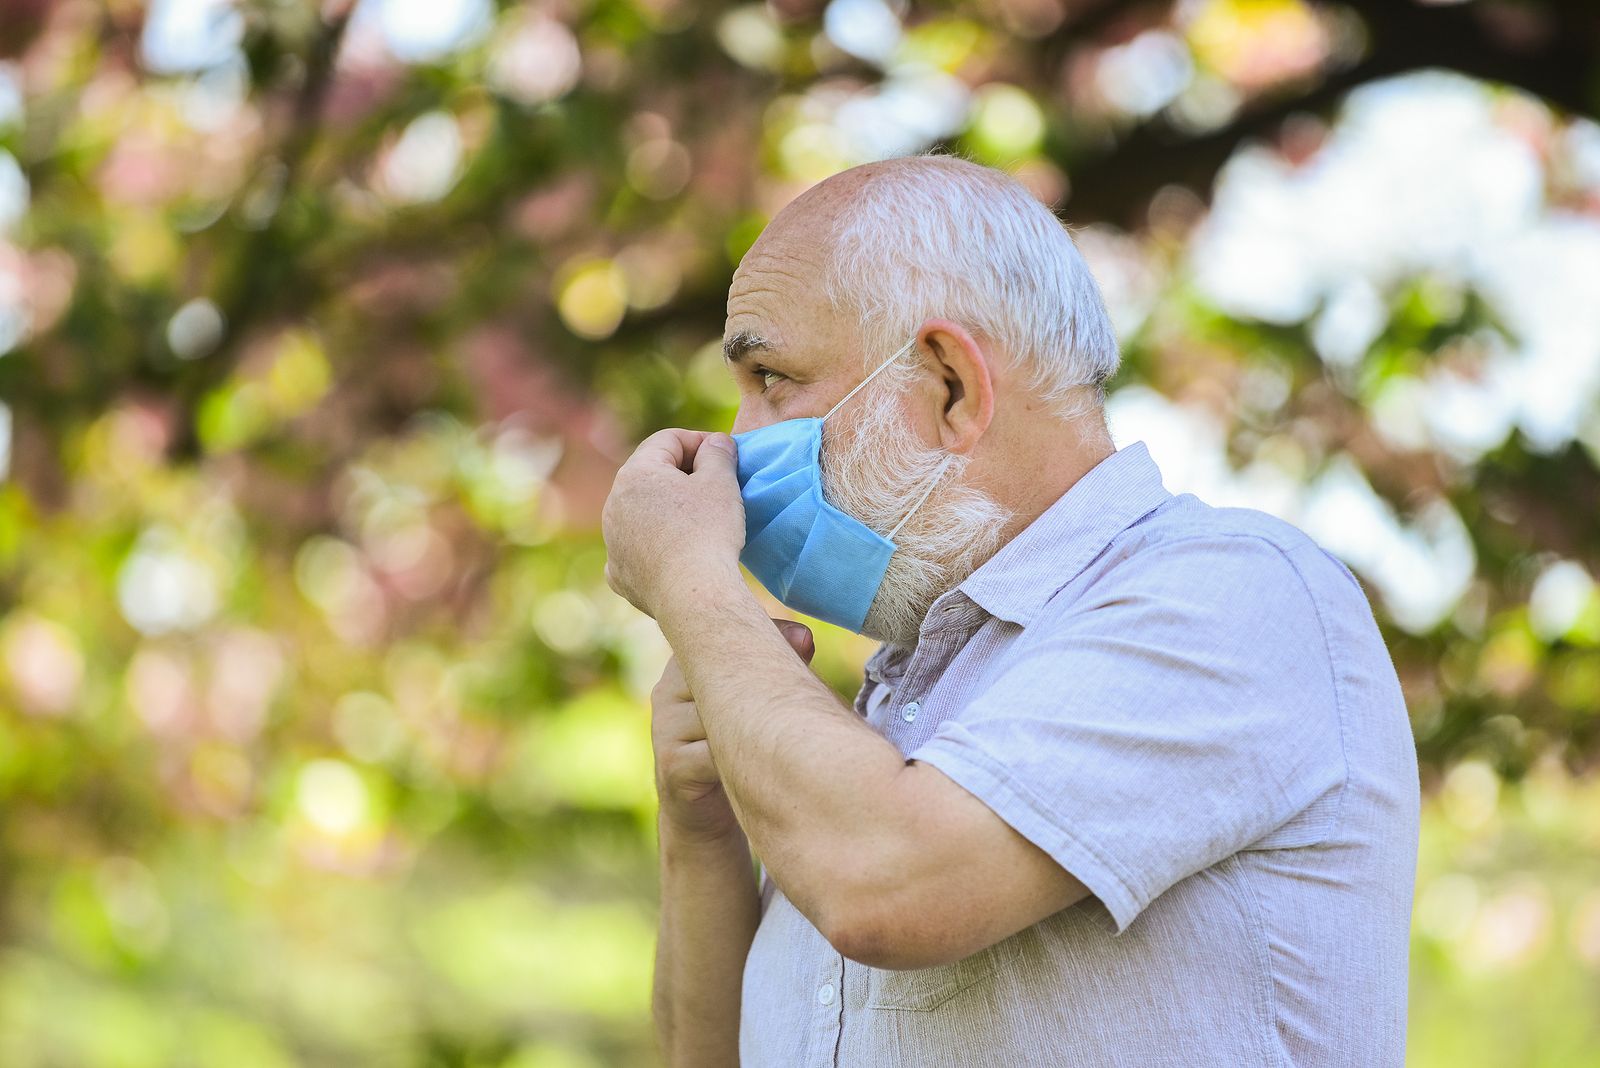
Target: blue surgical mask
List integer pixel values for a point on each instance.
(811, 556)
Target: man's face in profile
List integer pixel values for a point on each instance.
(792, 358)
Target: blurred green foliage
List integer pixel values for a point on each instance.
(322, 740)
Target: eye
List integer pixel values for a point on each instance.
(768, 377)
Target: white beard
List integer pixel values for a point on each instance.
(875, 470)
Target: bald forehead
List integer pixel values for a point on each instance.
(777, 293)
(777, 273)
(793, 248)
(777, 301)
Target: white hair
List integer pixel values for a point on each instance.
(940, 236)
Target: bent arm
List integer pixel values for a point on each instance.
(893, 863)
(710, 907)
(800, 769)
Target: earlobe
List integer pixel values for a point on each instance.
(968, 394)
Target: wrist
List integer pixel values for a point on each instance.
(679, 836)
(692, 589)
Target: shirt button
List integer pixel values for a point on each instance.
(825, 994)
(909, 713)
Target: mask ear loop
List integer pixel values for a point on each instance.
(933, 482)
(876, 371)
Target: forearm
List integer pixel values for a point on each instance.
(800, 768)
(710, 907)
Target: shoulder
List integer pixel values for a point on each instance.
(1194, 576)
(1235, 552)
(1220, 609)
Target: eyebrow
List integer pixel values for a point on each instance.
(740, 345)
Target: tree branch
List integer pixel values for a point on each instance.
(240, 295)
(1558, 64)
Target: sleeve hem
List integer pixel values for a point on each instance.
(962, 757)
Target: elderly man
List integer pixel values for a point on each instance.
(1130, 779)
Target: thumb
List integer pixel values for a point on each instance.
(717, 453)
(798, 635)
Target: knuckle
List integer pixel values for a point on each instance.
(688, 777)
(671, 770)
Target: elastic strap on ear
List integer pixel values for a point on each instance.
(875, 372)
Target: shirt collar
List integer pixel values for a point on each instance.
(1032, 567)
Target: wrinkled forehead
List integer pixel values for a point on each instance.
(778, 307)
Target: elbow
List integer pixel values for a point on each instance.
(853, 906)
(868, 944)
(880, 938)
(880, 913)
(853, 915)
(844, 931)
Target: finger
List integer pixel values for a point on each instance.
(691, 766)
(676, 726)
(672, 682)
(799, 637)
(671, 447)
(717, 454)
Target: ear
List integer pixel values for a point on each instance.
(966, 397)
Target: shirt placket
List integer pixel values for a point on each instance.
(827, 1011)
(934, 653)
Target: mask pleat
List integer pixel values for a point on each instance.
(773, 553)
(765, 500)
(845, 562)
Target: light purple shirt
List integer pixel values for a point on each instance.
(1191, 709)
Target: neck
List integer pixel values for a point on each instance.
(1026, 485)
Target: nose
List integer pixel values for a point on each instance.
(746, 418)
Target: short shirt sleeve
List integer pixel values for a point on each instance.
(1179, 710)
